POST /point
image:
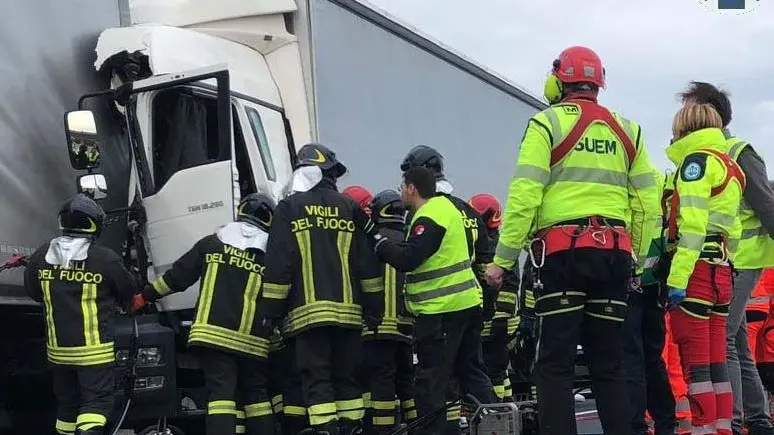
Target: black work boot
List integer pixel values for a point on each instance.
(95, 431)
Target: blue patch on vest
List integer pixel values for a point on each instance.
(692, 171)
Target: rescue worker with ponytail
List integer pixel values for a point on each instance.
(80, 284)
(754, 253)
(495, 334)
(232, 344)
(585, 184)
(389, 358)
(701, 202)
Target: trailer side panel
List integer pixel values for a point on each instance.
(379, 91)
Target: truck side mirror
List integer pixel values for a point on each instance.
(82, 140)
(93, 185)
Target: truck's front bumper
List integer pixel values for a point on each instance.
(155, 384)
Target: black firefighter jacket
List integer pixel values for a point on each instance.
(320, 268)
(228, 294)
(80, 304)
(398, 323)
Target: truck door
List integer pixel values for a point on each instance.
(268, 145)
(189, 183)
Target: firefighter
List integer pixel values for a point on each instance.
(584, 180)
(644, 334)
(755, 252)
(495, 333)
(361, 196)
(80, 283)
(233, 346)
(442, 291)
(701, 201)
(324, 281)
(389, 358)
(522, 341)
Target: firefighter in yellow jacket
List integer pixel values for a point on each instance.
(233, 346)
(80, 284)
(585, 183)
(324, 281)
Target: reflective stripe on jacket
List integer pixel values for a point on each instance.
(756, 248)
(700, 212)
(594, 178)
(445, 282)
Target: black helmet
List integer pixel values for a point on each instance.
(257, 209)
(422, 155)
(315, 154)
(387, 207)
(81, 216)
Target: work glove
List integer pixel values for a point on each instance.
(675, 297)
(138, 302)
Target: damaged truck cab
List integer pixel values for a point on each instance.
(210, 112)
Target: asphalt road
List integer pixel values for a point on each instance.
(586, 418)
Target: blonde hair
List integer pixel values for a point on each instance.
(693, 117)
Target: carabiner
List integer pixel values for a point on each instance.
(542, 253)
(599, 236)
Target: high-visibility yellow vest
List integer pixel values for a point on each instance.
(595, 178)
(702, 214)
(445, 282)
(756, 247)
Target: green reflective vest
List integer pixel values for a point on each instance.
(445, 282)
(594, 179)
(756, 248)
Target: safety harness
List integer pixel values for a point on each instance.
(589, 232)
(733, 172)
(695, 307)
(595, 232)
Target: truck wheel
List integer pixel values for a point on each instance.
(151, 430)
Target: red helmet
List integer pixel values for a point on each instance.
(489, 208)
(579, 64)
(360, 195)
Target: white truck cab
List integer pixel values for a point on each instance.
(189, 171)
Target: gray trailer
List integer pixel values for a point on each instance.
(214, 100)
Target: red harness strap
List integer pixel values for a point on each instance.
(733, 171)
(597, 235)
(591, 112)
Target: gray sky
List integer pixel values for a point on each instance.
(647, 47)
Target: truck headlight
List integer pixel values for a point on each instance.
(146, 357)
